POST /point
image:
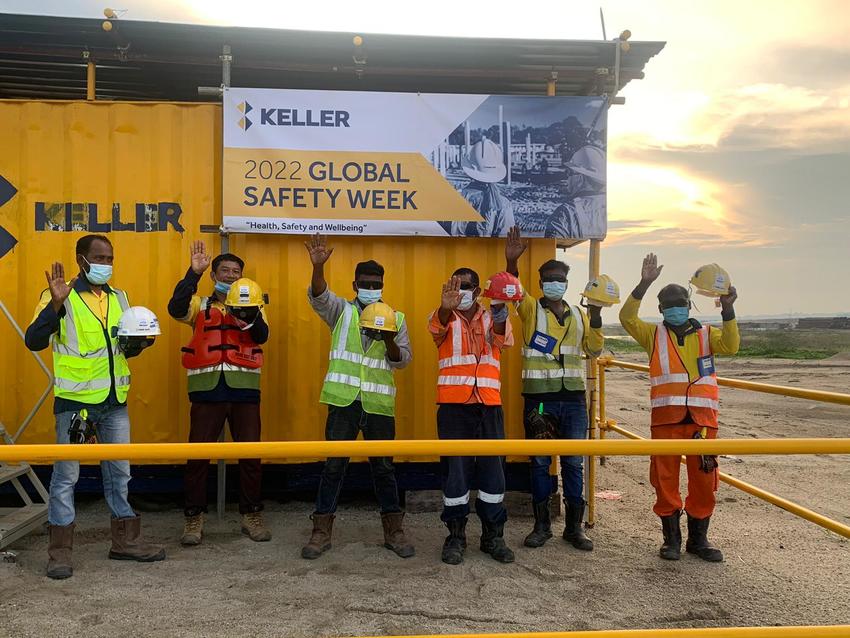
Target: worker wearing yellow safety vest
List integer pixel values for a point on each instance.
(359, 390)
(684, 400)
(223, 362)
(555, 334)
(80, 319)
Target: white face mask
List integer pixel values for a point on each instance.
(466, 300)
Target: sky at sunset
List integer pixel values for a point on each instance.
(734, 149)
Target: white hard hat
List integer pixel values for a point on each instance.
(484, 162)
(138, 321)
(589, 161)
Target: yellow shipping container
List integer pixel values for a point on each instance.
(149, 175)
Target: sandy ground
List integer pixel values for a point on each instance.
(778, 570)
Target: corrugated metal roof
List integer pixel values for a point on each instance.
(42, 57)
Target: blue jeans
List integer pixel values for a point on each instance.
(343, 424)
(572, 424)
(113, 426)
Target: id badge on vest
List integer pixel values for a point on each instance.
(542, 342)
(706, 365)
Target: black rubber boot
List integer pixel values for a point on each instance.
(493, 542)
(672, 547)
(455, 544)
(573, 528)
(698, 540)
(542, 531)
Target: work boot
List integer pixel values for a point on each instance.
(542, 531)
(672, 547)
(320, 539)
(127, 544)
(573, 527)
(59, 551)
(493, 542)
(455, 543)
(698, 540)
(255, 528)
(394, 538)
(193, 530)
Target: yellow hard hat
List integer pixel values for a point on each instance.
(244, 292)
(602, 291)
(711, 280)
(378, 316)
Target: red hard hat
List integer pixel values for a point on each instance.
(504, 287)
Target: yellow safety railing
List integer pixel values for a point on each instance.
(474, 447)
(606, 425)
(814, 631)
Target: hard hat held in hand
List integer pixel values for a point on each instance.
(503, 286)
(711, 281)
(243, 293)
(138, 321)
(378, 316)
(602, 291)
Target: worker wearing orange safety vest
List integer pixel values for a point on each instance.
(469, 340)
(684, 399)
(223, 362)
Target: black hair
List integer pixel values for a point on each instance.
(467, 271)
(84, 243)
(554, 264)
(227, 257)
(370, 267)
(672, 291)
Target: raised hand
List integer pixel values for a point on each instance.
(514, 245)
(650, 271)
(200, 257)
(451, 294)
(728, 300)
(317, 246)
(59, 288)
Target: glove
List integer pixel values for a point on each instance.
(540, 426)
(707, 462)
(500, 312)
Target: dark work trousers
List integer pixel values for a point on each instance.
(343, 424)
(206, 422)
(472, 421)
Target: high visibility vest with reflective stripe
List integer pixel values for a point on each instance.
(542, 372)
(86, 355)
(673, 394)
(206, 378)
(461, 371)
(352, 371)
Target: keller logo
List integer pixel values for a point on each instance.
(244, 121)
(7, 240)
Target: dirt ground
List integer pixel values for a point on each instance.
(778, 570)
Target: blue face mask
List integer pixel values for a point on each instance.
(98, 274)
(554, 290)
(367, 297)
(222, 288)
(676, 316)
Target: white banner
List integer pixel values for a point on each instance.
(369, 163)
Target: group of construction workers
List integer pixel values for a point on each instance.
(93, 331)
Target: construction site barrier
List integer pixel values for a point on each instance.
(814, 631)
(606, 425)
(474, 447)
(800, 393)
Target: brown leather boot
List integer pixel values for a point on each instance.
(59, 551)
(394, 538)
(320, 539)
(255, 528)
(193, 530)
(126, 544)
